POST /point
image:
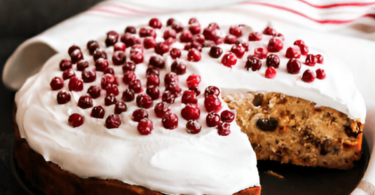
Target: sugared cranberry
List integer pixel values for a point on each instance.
(269, 31)
(260, 53)
(149, 42)
(161, 109)
(238, 50)
(215, 52)
(85, 101)
(153, 92)
(255, 36)
(152, 70)
(147, 32)
(310, 60)
(65, 64)
(189, 97)
(118, 57)
(186, 36)
(130, 39)
(144, 101)
(128, 66)
(120, 107)
(191, 112)
(119, 46)
(178, 67)
(56, 83)
(253, 63)
(212, 90)
(161, 48)
(88, 76)
(169, 33)
(109, 70)
(99, 54)
(92, 46)
(157, 61)
(170, 77)
(235, 30)
(170, 21)
(112, 89)
(212, 103)
(319, 59)
(227, 116)
(299, 43)
(212, 119)
(175, 53)
(76, 120)
(155, 23)
(94, 91)
(136, 57)
(130, 29)
(63, 97)
(304, 50)
(108, 79)
(195, 28)
(152, 80)
(174, 88)
(139, 114)
(178, 27)
(199, 38)
(270, 72)
(129, 76)
(293, 52)
(112, 38)
(97, 112)
(275, 45)
(193, 127)
(135, 85)
(229, 59)
(193, 81)
(273, 60)
(101, 64)
(128, 95)
(293, 66)
(145, 126)
(223, 129)
(81, 65)
(76, 55)
(168, 97)
(170, 121)
(110, 99)
(230, 39)
(308, 76)
(75, 84)
(113, 121)
(320, 74)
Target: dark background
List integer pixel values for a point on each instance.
(19, 21)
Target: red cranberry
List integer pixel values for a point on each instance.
(147, 32)
(193, 127)
(223, 129)
(168, 97)
(129, 76)
(145, 126)
(261, 53)
(270, 72)
(128, 95)
(97, 112)
(153, 92)
(110, 99)
(112, 89)
(269, 31)
(139, 114)
(245, 45)
(230, 39)
(99, 54)
(212, 103)
(135, 85)
(109, 70)
(119, 46)
(144, 101)
(191, 45)
(190, 112)
(273, 60)
(149, 42)
(229, 59)
(170, 41)
(174, 88)
(212, 119)
(101, 64)
(155, 23)
(170, 78)
(136, 57)
(293, 66)
(81, 65)
(253, 63)
(186, 36)
(118, 57)
(238, 50)
(169, 33)
(108, 79)
(308, 76)
(193, 20)
(73, 48)
(212, 90)
(195, 28)
(161, 109)
(227, 116)
(320, 74)
(112, 38)
(235, 30)
(310, 60)
(293, 52)
(128, 66)
(130, 39)
(210, 33)
(170, 121)
(94, 91)
(136, 49)
(178, 67)
(319, 59)
(196, 90)
(92, 46)
(304, 50)
(63, 97)
(65, 64)
(88, 76)
(170, 21)
(157, 61)
(76, 55)
(255, 36)
(280, 36)
(178, 27)
(152, 70)
(275, 45)
(214, 25)
(175, 53)
(120, 107)
(76, 120)
(56, 83)
(130, 29)
(75, 84)
(193, 81)
(299, 43)
(85, 101)
(161, 48)
(189, 97)
(152, 80)
(215, 52)
(113, 121)
(199, 38)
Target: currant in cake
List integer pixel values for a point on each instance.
(178, 109)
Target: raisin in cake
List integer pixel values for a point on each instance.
(171, 109)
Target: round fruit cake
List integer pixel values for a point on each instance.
(178, 109)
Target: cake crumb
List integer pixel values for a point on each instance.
(275, 174)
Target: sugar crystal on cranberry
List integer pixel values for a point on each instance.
(193, 127)
(145, 126)
(168, 97)
(213, 119)
(223, 129)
